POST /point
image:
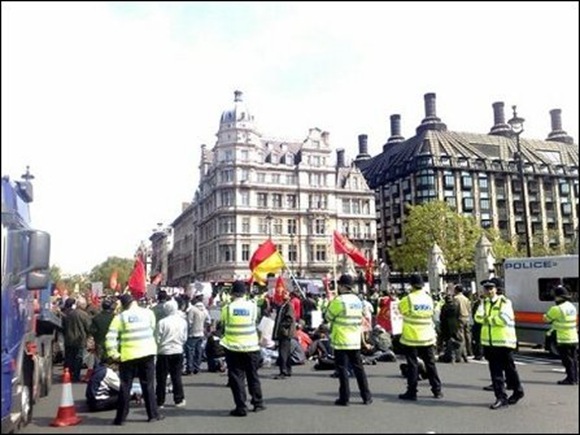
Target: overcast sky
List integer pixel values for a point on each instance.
(108, 103)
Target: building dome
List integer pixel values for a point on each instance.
(239, 113)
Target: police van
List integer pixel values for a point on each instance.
(529, 283)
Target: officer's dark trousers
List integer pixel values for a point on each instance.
(344, 358)
(242, 365)
(144, 369)
(501, 360)
(569, 360)
(427, 354)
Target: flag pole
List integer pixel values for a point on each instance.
(295, 281)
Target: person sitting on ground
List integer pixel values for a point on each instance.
(102, 392)
(214, 351)
(303, 338)
(382, 344)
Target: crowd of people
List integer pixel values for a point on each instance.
(159, 342)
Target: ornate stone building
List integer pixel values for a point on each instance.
(478, 175)
(253, 187)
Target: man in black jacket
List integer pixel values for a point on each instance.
(284, 330)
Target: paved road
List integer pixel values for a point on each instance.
(304, 404)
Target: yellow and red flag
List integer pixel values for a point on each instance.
(344, 246)
(266, 260)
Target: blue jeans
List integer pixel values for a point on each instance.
(193, 353)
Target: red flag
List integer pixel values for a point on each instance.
(280, 291)
(369, 273)
(113, 280)
(137, 281)
(344, 246)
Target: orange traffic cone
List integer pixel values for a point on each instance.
(66, 415)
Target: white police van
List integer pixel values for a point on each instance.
(529, 284)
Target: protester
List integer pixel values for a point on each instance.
(102, 392)
(198, 321)
(100, 326)
(284, 330)
(76, 330)
(170, 334)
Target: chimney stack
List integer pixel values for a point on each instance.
(395, 131)
(557, 134)
(340, 158)
(363, 148)
(500, 127)
(431, 122)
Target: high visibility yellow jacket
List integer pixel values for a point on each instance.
(239, 320)
(131, 334)
(418, 327)
(345, 313)
(498, 327)
(563, 318)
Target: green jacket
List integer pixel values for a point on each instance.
(562, 318)
(498, 327)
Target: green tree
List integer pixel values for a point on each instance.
(551, 247)
(436, 222)
(501, 247)
(103, 271)
(55, 273)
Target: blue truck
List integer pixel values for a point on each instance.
(29, 326)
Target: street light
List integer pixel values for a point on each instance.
(269, 222)
(517, 126)
(292, 236)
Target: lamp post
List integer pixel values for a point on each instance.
(517, 127)
(292, 236)
(269, 223)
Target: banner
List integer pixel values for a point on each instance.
(344, 246)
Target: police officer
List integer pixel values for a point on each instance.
(498, 338)
(419, 338)
(345, 315)
(242, 350)
(562, 318)
(131, 340)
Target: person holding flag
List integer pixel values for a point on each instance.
(284, 329)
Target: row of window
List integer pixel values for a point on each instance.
(227, 253)
(425, 180)
(278, 226)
